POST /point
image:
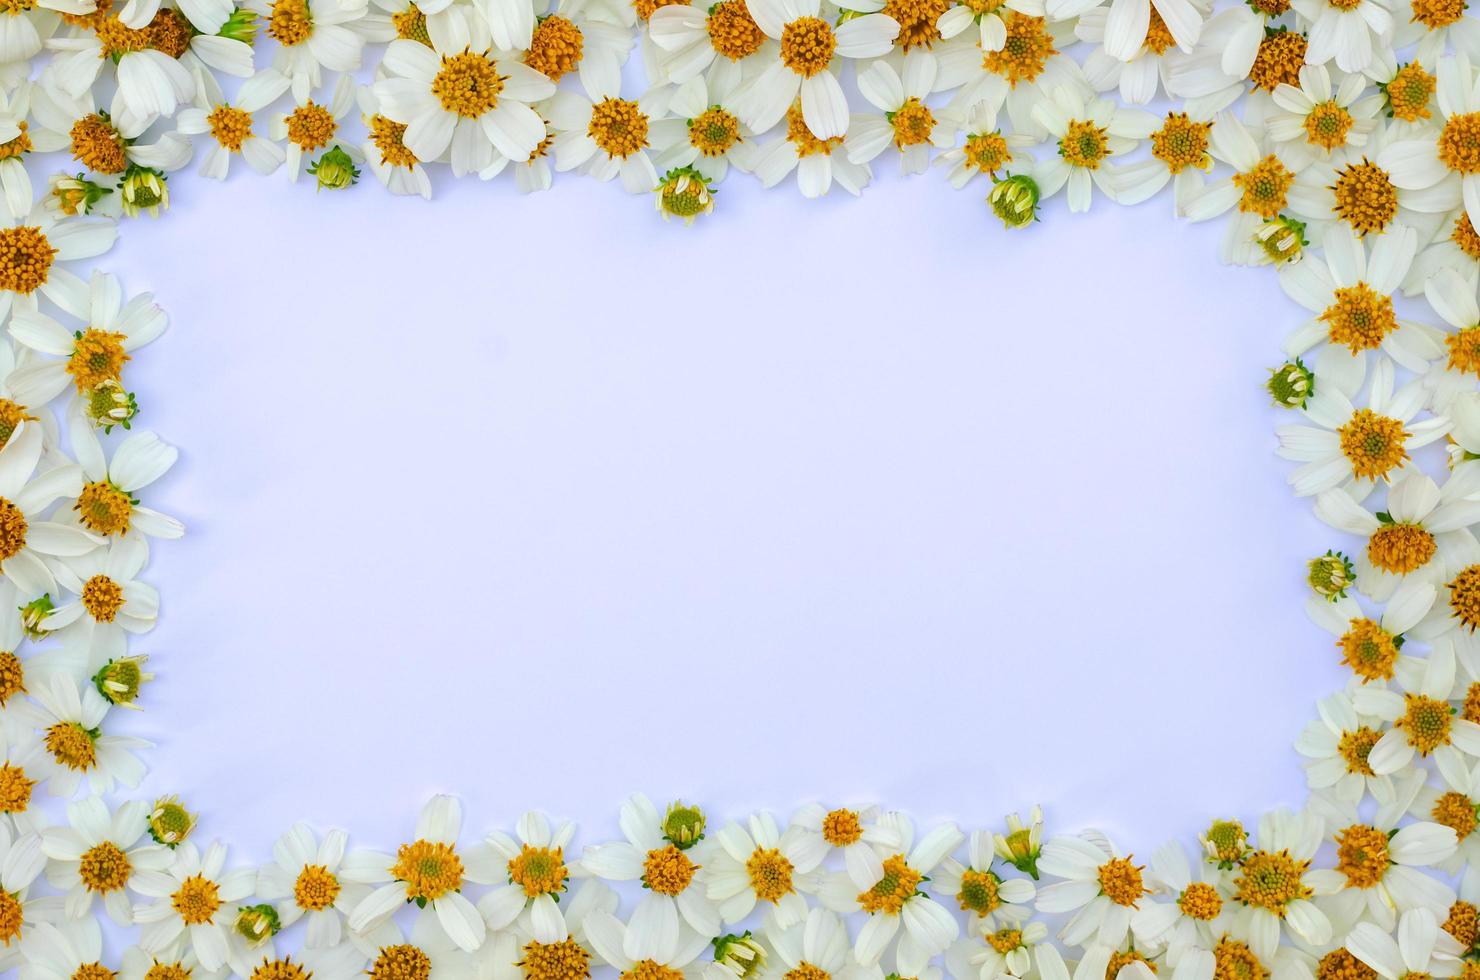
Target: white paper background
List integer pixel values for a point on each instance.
(541, 501)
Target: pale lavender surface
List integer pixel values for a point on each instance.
(541, 501)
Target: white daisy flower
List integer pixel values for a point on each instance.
(428, 871)
(21, 863)
(1348, 33)
(471, 101)
(700, 38)
(815, 947)
(1379, 867)
(1444, 161)
(1355, 448)
(607, 138)
(702, 130)
(1336, 744)
(1318, 119)
(108, 504)
(1421, 522)
(1153, 56)
(1421, 947)
(887, 887)
(1179, 156)
(178, 964)
(1009, 952)
(535, 871)
(986, 150)
(802, 70)
(1370, 647)
(1089, 133)
(152, 85)
(398, 169)
(195, 900)
(514, 953)
(1274, 885)
(1198, 915)
(818, 163)
(903, 118)
(98, 855)
(111, 602)
(311, 36)
(303, 882)
(668, 872)
(988, 899)
(1102, 889)
(34, 246)
(652, 946)
(93, 355)
(1456, 805)
(763, 864)
(311, 126)
(1423, 723)
(229, 123)
(70, 719)
(388, 952)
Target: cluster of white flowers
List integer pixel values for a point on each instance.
(1339, 140)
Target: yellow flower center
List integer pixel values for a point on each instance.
(1084, 144)
(1327, 126)
(387, 135)
(733, 33)
(97, 145)
(1265, 187)
(1463, 922)
(916, 20)
(1355, 746)
(538, 870)
(1457, 812)
(102, 598)
(807, 45)
(619, 127)
(92, 971)
(1271, 880)
(411, 25)
(1437, 14)
(15, 789)
(1365, 197)
(651, 970)
(1409, 93)
(645, 8)
(12, 917)
(1200, 901)
(1359, 317)
(290, 22)
(1372, 443)
(1124, 958)
(25, 259)
(430, 870)
(714, 131)
(72, 745)
(230, 126)
(1025, 51)
(806, 971)
(97, 356)
(565, 960)
(1121, 881)
(1459, 143)
(1464, 597)
(1464, 350)
(1340, 964)
(1362, 855)
(12, 529)
(1005, 941)
(12, 676)
(987, 152)
(980, 892)
(667, 870)
(400, 962)
(770, 874)
(283, 969)
(104, 868)
(310, 126)
(897, 886)
(841, 828)
(1369, 650)
(556, 47)
(801, 137)
(1234, 960)
(468, 85)
(1158, 35)
(1426, 722)
(1278, 62)
(913, 123)
(1181, 143)
(197, 900)
(1400, 548)
(104, 508)
(315, 888)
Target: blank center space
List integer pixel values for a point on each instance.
(538, 501)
